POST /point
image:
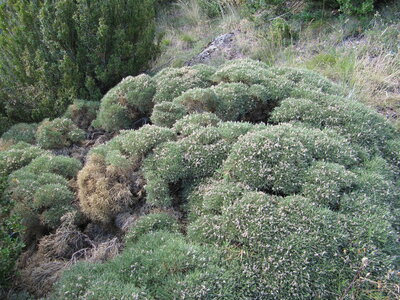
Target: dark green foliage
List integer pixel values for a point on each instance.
(21, 132)
(55, 51)
(18, 156)
(58, 133)
(82, 112)
(10, 241)
(126, 103)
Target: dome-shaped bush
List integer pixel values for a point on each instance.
(58, 133)
(126, 103)
(21, 132)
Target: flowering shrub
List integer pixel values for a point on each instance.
(59, 133)
(166, 113)
(21, 132)
(65, 166)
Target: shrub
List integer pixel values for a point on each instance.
(286, 240)
(167, 113)
(351, 119)
(58, 133)
(61, 165)
(21, 132)
(276, 159)
(86, 49)
(172, 82)
(137, 144)
(126, 103)
(104, 190)
(51, 202)
(153, 267)
(82, 112)
(150, 223)
(325, 183)
(190, 123)
(18, 156)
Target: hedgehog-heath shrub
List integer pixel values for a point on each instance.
(18, 156)
(21, 132)
(167, 113)
(67, 167)
(172, 82)
(126, 103)
(276, 158)
(58, 133)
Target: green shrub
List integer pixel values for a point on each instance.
(276, 159)
(167, 113)
(278, 241)
(153, 267)
(58, 133)
(18, 156)
(65, 166)
(82, 112)
(21, 132)
(172, 82)
(150, 223)
(190, 123)
(126, 103)
(56, 51)
(355, 7)
(355, 121)
(137, 144)
(51, 202)
(325, 183)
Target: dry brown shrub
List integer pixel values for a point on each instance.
(104, 190)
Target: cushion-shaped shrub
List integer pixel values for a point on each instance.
(190, 123)
(150, 223)
(58, 133)
(51, 202)
(82, 112)
(172, 82)
(152, 268)
(276, 158)
(67, 167)
(286, 240)
(137, 143)
(18, 156)
(21, 132)
(127, 102)
(198, 100)
(302, 78)
(350, 118)
(167, 113)
(325, 183)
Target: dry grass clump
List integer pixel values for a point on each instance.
(104, 190)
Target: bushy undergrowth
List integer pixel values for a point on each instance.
(21, 132)
(40, 193)
(58, 133)
(304, 206)
(82, 112)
